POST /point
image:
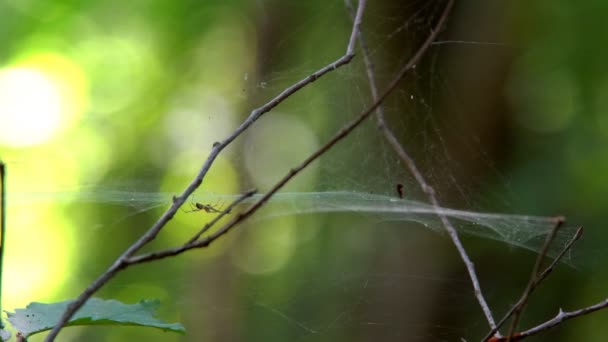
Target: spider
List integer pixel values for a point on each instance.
(400, 190)
(208, 208)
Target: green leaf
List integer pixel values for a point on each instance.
(38, 317)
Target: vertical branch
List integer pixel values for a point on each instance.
(408, 162)
(2, 226)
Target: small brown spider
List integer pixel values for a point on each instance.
(204, 207)
(208, 208)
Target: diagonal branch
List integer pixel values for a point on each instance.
(538, 281)
(534, 278)
(563, 316)
(121, 262)
(408, 162)
(577, 235)
(341, 134)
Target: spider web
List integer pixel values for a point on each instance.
(337, 255)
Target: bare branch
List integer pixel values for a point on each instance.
(341, 134)
(534, 277)
(140, 259)
(561, 317)
(538, 281)
(408, 162)
(121, 262)
(549, 269)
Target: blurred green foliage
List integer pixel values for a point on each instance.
(511, 117)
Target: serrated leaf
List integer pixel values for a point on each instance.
(38, 317)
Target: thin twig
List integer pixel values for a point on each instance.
(121, 262)
(341, 134)
(148, 257)
(534, 277)
(561, 317)
(539, 280)
(2, 227)
(551, 267)
(408, 161)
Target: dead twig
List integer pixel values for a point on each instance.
(491, 336)
(152, 256)
(577, 235)
(563, 316)
(408, 162)
(534, 277)
(122, 261)
(341, 134)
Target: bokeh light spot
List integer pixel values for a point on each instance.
(30, 107)
(40, 95)
(267, 247)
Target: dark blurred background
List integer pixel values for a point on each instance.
(108, 108)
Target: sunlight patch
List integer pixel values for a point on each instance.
(30, 107)
(39, 254)
(40, 95)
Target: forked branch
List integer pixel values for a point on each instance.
(410, 164)
(534, 277)
(122, 261)
(341, 134)
(535, 282)
(561, 317)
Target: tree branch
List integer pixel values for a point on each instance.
(341, 134)
(561, 317)
(121, 262)
(408, 162)
(534, 278)
(539, 280)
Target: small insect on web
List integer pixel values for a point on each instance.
(400, 190)
(208, 208)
